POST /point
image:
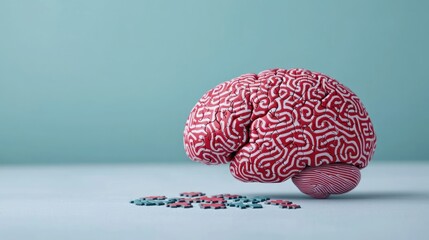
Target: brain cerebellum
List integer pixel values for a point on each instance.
(272, 125)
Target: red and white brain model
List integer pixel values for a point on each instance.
(284, 123)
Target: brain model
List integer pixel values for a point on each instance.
(281, 124)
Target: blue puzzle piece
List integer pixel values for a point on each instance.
(141, 202)
(256, 199)
(241, 205)
(144, 202)
(171, 200)
(254, 205)
(242, 200)
(244, 205)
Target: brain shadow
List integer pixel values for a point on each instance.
(373, 196)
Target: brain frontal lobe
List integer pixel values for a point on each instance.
(217, 126)
(272, 125)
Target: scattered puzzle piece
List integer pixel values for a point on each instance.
(136, 201)
(277, 202)
(172, 200)
(289, 206)
(212, 199)
(141, 202)
(260, 198)
(191, 200)
(243, 200)
(192, 194)
(244, 205)
(228, 196)
(256, 199)
(179, 205)
(212, 206)
(254, 205)
(238, 205)
(154, 198)
(158, 202)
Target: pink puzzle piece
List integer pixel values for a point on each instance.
(277, 202)
(179, 205)
(191, 200)
(192, 194)
(212, 199)
(154, 198)
(212, 206)
(289, 206)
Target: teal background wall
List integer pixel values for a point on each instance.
(113, 81)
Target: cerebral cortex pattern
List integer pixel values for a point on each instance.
(270, 126)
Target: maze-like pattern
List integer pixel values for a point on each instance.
(272, 125)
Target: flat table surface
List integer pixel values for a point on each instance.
(92, 202)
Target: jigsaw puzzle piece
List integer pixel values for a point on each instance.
(212, 199)
(212, 206)
(243, 200)
(179, 205)
(172, 200)
(141, 202)
(191, 200)
(192, 194)
(289, 206)
(277, 202)
(154, 198)
(228, 196)
(256, 199)
(260, 198)
(158, 200)
(244, 205)
(255, 205)
(240, 205)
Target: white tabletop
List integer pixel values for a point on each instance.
(92, 202)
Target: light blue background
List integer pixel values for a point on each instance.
(114, 81)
